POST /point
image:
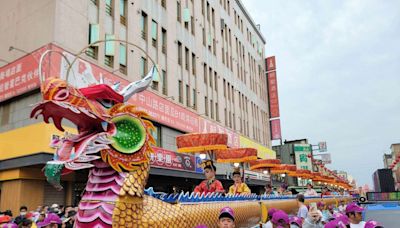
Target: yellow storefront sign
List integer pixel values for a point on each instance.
(28, 140)
(262, 151)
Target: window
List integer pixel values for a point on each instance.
(234, 121)
(164, 82)
(192, 25)
(212, 109)
(122, 11)
(92, 51)
(178, 11)
(210, 76)
(163, 40)
(213, 17)
(179, 53)
(143, 67)
(204, 36)
(233, 95)
(229, 8)
(224, 85)
(205, 73)
(109, 7)
(109, 60)
(109, 50)
(193, 64)
(143, 25)
(215, 81)
(206, 105)
(187, 96)
(156, 133)
(154, 85)
(164, 3)
(180, 88)
(202, 7)
(226, 117)
(187, 59)
(208, 11)
(122, 58)
(5, 114)
(216, 112)
(229, 92)
(154, 33)
(214, 47)
(194, 102)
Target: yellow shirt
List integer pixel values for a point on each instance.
(242, 188)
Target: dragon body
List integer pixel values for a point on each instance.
(114, 142)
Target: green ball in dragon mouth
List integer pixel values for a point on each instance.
(130, 136)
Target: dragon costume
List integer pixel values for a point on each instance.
(114, 142)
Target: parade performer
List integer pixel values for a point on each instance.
(238, 187)
(210, 184)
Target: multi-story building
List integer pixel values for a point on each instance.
(387, 160)
(297, 152)
(342, 174)
(212, 74)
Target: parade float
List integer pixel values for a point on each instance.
(114, 142)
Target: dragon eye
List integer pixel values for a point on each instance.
(107, 103)
(61, 95)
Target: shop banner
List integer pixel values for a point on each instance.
(302, 153)
(22, 75)
(273, 95)
(326, 158)
(322, 146)
(270, 61)
(276, 129)
(166, 159)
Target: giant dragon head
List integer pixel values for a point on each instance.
(108, 129)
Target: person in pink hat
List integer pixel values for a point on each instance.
(295, 222)
(372, 224)
(226, 218)
(280, 219)
(341, 218)
(335, 224)
(354, 212)
(271, 212)
(51, 221)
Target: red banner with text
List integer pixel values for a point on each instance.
(273, 95)
(167, 159)
(276, 129)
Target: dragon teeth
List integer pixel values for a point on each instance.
(74, 109)
(103, 139)
(104, 124)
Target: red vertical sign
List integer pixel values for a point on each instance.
(270, 61)
(276, 129)
(273, 95)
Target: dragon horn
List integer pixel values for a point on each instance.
(138, 86)
(116, 86)
(101, 79)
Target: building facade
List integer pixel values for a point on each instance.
(387, 160)
(212, 73)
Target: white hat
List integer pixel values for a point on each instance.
(54, 206)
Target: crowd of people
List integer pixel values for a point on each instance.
(311, 216)
(54, 216)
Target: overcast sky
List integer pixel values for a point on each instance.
(338, 68)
